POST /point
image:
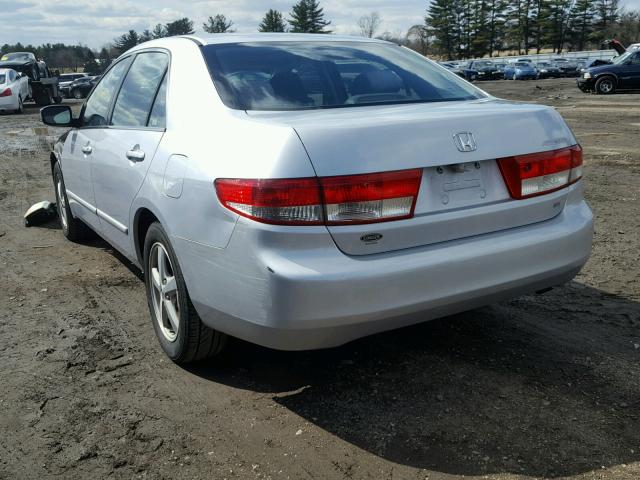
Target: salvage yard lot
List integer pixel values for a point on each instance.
(542, 386)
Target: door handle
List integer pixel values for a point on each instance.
(135, 155)
(87, 149)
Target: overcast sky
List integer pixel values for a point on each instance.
(96, 22)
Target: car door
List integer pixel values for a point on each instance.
(632, 72)
(128, 146)
(81, 143)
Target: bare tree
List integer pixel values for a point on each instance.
(418, 38)
(369, 24)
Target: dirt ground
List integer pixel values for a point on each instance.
(539, 387)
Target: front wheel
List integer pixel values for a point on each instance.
(181, 333)
(72, 228)
(77, 94)
(605, 86)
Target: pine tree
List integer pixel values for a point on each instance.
(607, 13)
(442, 20)
(126, 41)
(159, 31)
(182, 26)
(496, 25)
(272, 22)
(308, 17)
(218, 24)
(556, 22)
(581, 23)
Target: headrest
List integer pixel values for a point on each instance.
(287, 85)
(376, 81)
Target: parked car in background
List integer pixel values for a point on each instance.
(14, 90)
(548, 70)
(65, 79)
(520, 71)
(622, 74)
(324, 213)
(482, 70)
(566, 66)
(43, 83)
(79, 88)
(454, 68)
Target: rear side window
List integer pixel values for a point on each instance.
(2, 78)
(96, 112)
(158, 117)
(139, 90)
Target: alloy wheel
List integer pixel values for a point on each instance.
(62, 203)
(164, 291)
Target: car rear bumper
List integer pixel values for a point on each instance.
(297, 297)
(9, 103)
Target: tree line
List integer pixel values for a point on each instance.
(476, 28)
(452, 29)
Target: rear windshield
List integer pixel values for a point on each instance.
(308, 75)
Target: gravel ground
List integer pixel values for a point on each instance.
(538, 387)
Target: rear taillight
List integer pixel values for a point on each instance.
(352, 199)
(539, 173)
(6, 92)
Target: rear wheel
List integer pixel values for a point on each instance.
(181, 333)
(20, 108)
(72, 228)
(605, 86)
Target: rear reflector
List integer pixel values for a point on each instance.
(539, 173)
(352, 199)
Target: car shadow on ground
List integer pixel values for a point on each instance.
(533, 387)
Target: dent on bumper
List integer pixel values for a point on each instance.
(301, 299)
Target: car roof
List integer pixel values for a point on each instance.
(283, 37)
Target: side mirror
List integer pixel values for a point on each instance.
(57, 116)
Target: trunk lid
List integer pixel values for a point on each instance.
(462, 192)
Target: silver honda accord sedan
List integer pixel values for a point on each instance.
(301, 191)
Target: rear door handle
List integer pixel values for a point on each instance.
(87, 149)
(135, 155)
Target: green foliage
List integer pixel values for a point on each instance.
(272, 22)
(308, 17)
(218, 24)
(182, 26)
(126, 41)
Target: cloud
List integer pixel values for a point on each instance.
(96, 22)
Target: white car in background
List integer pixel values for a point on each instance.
(14, 90)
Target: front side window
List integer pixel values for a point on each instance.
(139, 90)
(321, 74)
(96, 111)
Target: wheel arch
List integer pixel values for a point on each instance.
(142, 220)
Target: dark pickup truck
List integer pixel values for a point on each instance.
(44, 85)
(623, 73)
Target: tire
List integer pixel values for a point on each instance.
(72, 228)
(20, 108)
(57, 99)
(167, 297)
(77, 94)
(515, 77)
(606, 86)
